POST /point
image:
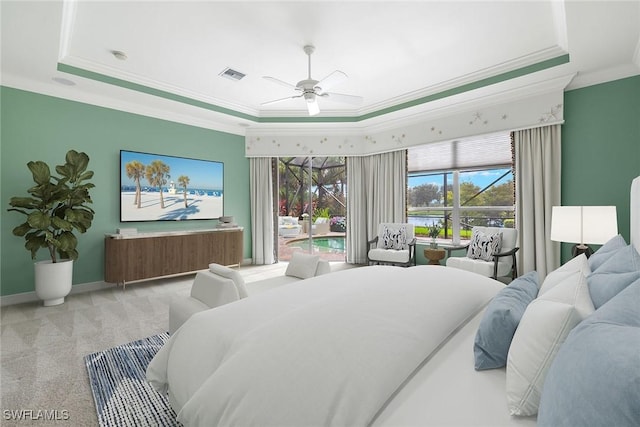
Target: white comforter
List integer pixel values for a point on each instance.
(330, 350)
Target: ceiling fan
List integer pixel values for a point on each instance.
(311, 89)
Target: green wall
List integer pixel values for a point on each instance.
(601, 147)
(38, 127)
(600, 157)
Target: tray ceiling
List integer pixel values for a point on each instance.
(397, 55)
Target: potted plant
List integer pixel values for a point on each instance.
(57, 206)
(434, 232)
(338, 224)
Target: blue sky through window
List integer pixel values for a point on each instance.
(481, 178)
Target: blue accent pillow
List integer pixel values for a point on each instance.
(595, 377)
(606, 251)
(500, 320)
(615, 274)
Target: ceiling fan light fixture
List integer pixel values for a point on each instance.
(313, 108)
(311, 89)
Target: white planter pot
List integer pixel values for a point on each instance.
(53, 280)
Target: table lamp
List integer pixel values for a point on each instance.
(583, 225)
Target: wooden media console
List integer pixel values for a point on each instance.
(132, 257)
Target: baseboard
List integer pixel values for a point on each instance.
(82, 287)
(31, 296)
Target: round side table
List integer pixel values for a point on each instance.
(434, 255)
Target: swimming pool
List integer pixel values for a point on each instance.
(330, 244)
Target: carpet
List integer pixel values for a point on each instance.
(120, 390)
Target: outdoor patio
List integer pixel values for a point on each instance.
(286, 249)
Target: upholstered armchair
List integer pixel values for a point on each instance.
(320, 226)
(288, 226)
(491, 252)
(395, 244)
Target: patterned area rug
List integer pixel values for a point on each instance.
(120, 391)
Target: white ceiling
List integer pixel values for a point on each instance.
(393, 52)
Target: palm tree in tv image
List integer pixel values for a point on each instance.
(135, 170)
(183, 181)
(157, 174)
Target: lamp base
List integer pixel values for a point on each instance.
(581, 249)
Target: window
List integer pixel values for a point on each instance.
(461, 184)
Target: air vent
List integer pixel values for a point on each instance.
(232, 74)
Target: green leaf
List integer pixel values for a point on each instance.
(65, 170)
(34, 244)
(22, 229)
(85, 176)
(67, 241)
(39, 220)
(81, 218)
(61, 224)
(24, 202)
(72, 254)
(40, 171)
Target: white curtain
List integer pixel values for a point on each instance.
(377, 193)
(261, 210)
(537, 177)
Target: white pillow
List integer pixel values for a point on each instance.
(234, 275)
(302, 265)
(543, 328)
(579, 263)
(573, 290)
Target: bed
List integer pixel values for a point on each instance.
(375, 345)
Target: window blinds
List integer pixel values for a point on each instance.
(484, 151)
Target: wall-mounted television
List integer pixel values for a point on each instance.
(156, 187)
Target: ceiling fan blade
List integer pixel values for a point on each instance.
(331, 80)
(279, 82)
(341, 97)
(312, 106)
(275, 101)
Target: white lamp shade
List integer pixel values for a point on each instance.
(583, 224)
(565, 224)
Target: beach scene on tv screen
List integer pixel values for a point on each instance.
(166, 188)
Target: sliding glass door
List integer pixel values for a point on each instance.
(311, 206)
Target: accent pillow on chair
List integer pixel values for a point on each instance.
(483, 246)
(394, 238)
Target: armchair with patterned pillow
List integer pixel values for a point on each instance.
(395, 244)
(491, 252)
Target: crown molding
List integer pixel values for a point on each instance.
(546, 58)
(188, 116)
(603, 76)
